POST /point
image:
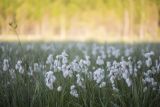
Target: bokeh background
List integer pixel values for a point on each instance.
(81, 20)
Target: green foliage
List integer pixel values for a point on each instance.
(35, 9)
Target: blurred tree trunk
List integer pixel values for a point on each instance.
(128, 19)
(131, 16)
(141, 29)
(62, 26)
(159, 18)
(126, 23)
(156, 20)
(1, 25)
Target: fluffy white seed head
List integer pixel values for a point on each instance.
(98, 75)
(99, 60)
(73, 91)
(50, 59)
(103, 84)
(5, 64)
(149, 62)
(59, 88)
(50, 79)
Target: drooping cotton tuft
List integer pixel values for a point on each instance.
(49, 79)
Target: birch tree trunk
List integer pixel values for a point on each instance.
(126, 23)
(141, 29)
(62, 27)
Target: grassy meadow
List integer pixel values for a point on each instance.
(80, 74)
(79, 53)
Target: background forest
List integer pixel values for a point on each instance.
(106, 18)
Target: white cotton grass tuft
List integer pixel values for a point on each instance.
(149, 54)
(73, 91)
(129, 82)
(49, 79)
(87, 60)
(99, 60)
(19, 67)
(148, 58)
(103, 84)
(148, 80)
(64, 57)
(98, 75)
(67, 71)
(50, 59)
(75, 65)
(5, 64)
(80, 81)
(59, 88)
(144, 89)
(149, 62)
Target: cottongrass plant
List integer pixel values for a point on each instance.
(79, 75)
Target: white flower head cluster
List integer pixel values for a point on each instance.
(84, 64)
(64, 56)
(19, 67)
(80, 81)
(73, 91)
(50, 61)
(5, 64)
(102, 53)
(113, 73)
(95, 49)
(148, 79)
(57, 63)
(99, 60)
(75, 65)
(128, 51)
(59, 88)
(126, 74)
(149, 60)
(148, 54)
(108, 65)
(120, 70)
(103, 84)
(98, 75)
(67, 71)
(112, 51)
(36, 67)
(87, 60)
(50, 79)
(60, 61)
